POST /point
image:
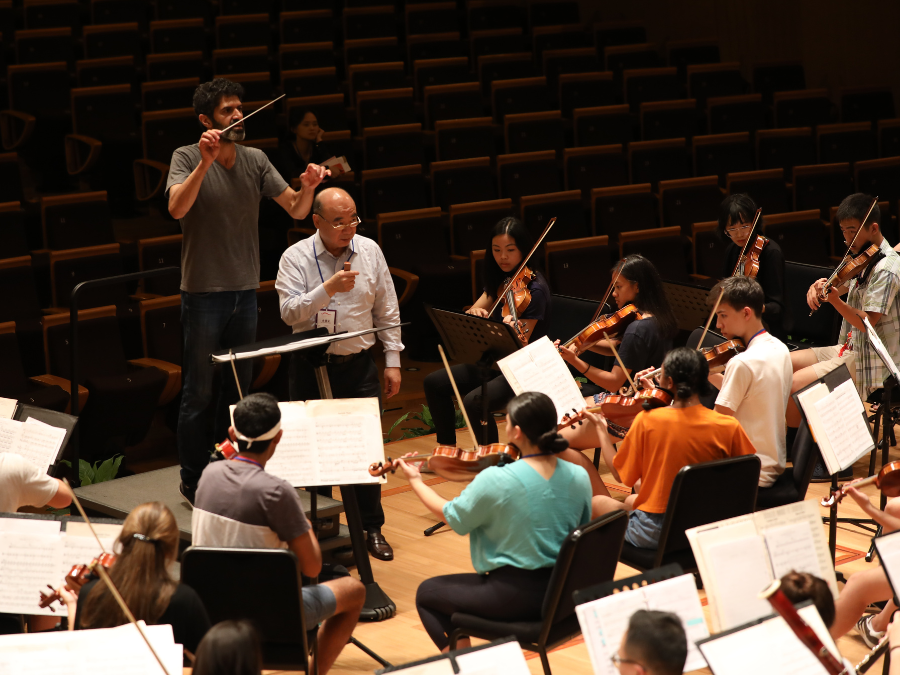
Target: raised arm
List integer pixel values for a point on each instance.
(298, 204)
(183, 195)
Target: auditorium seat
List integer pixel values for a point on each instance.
(443, 45)
(628, 57)
(45, 45)
(462, 181)
(727, 114)
(867, 104)
(306, 26)
(688, 201)
(514, 66)
(497, 41)
(310, 82)
(13, 236)
(464, 139)
(236, 60)
(177, 35)
(400, 188)
(552, 12)
(373, 76)
(395, 145)
(805, 108)
(889, 138)
(527, 173)
(365, 23)
(567, 61)
(849, 142)
(618, 33)
(653, 161)
(257, 86)
(802, 235)
(557, 36)
(157, 252)
(22, 304)
(168, 94)
(721, 154)
(643, 85)
(579, 267)
(714, 80)
(175, 65)
(524, 95)
(385, 107)
(371, 50)
(431, 17)
(603, 125)
(183, 9)
(533, 132)
(493, 15)
(785, 148)
(666, 247)
(585, 168)
(101, 72)
(767, 188)
(162, 133)
(684, 53)
(263, 125)
(70, 267)
(303, 55)
(707, 249)
(10, 178)
(566, 207)
(242, 30)
(470, 224)
(162, 337)
(452, 102)
(769, 78)
(15, 384)
(110, 40)
(76, 221)
(116, 11)
(879, 177)
(820, 329)
(585, 90)
(430, 72)
(615, 210)
(669, 119)
(328, 107)
(821, 187)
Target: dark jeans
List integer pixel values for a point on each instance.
(439, 393)
(357, 378)
(505, 594)
(210, 322)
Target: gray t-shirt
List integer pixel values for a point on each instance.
(220, 251)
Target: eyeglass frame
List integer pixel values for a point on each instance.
(733, 229)
(617, 661)
(341, 227)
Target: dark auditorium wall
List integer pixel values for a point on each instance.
(841, 43)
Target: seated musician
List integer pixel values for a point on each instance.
(735, 222)
(661, 442)
(872, 293)
(510, 242)
(240, 505)
(802, 586)
(229, 648)
(756, 383)
(654, 644)
(644, 342)
(147, 547)
(516, 516)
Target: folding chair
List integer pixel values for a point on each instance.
(372, 76)
(157, 252)
(371, 50)
(176, 35)
(111, 40)
(618, 33)
(452, 102)
(167, 94)
(643, 85)
(257, 86)
(365, 23)
(443, 45)
(524, 95)
(310, 82)
(431, 17)
(513, 66)
(685, 53)
(867, 104)
(629, 57)
(241, 60)
(492, 15)
(115, 11)
(76, 221)
(45, 45)
(306, 26)
(300, 56)
(174, 66)
(569, 61)
(879, 177)
(400, 188)
(13, 237)
(15, 384)
(552, 12)
(330, 107)
(395, 145)
(707, 249)
(721, 154)
(102, 72)
(497, 41)
(428, 72)
(243, 30)
(385, 107)
(558, 36)
(889, 138)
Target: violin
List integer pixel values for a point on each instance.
(718, 356)
(887, 480)
(750, 259)
(516, 299)
(77, 577)
(612, 324)
(455, 464)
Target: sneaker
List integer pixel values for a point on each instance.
(869, 636)
(187, 493)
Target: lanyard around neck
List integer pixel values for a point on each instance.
(247, 460)
(759, 332)
(316, 256)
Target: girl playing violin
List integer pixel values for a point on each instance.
(644, 342)
(147, 547)
(510, 241)
(735, 222)
(516, 516)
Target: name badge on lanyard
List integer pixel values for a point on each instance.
(326, 318)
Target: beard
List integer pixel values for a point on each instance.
(236, 134)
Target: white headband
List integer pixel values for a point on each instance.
(269, 435)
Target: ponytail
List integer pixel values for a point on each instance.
(535, 414)
(689, 372)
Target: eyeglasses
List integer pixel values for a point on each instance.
(732, 230)
(355, 221)
(617, 662)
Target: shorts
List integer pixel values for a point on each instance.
(644, 529)
(319, 604)
(829, 360)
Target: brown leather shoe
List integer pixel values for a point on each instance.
(378, 546)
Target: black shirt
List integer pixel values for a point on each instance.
(292, 165)
(770, 277)
(538, 308)
(185, 613)
(643, 345)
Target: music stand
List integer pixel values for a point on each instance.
(54, 419)
(477, 341)
(689, 302)
(378, 605)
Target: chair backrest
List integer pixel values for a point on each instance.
(12, 373)
(18, 290)
(269, 323)
(570, 315)
(100, 351)
(802, 236)
(820, 327)
(587, 557)
(464, 139)
(269, 598)
(706, 493)
(161, 252)
(708, 249)
(76, 221)
(579, 267)
(805, 454)
(471, 223)
(721, 154)
(161, 329)
(666, 247)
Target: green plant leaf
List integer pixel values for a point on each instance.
(85, 473)
(400, 419)
(108, 469)
(426, 417)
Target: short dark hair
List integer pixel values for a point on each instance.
(733, 209)
(689, 370)
(297, 115)
(493, 275)
(208, 95)
(253, 416)
(229, 648)
(800, 586)
(536, 415)
(740, 292)
(856, 206)
(657, 640)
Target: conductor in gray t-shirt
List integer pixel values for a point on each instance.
(214, 189)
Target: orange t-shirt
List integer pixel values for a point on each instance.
(662, 441)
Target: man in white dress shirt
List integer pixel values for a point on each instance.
(314, 291)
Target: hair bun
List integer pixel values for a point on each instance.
(551, 442)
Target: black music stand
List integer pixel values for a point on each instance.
(378, 605)
(481, 342)
(54, 419)
(832, 380)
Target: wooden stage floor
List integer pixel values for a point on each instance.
(402, 638)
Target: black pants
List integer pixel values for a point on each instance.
(505, 594)
(439, 393)
(357, 378)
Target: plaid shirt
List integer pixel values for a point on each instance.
(878, 294)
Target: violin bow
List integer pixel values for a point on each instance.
(602, 303)
(749, 237)
(109, 582)
(501, 296)
(459, 399)
(247, 117)
(853, 241)
(709, 320)
(622, 365)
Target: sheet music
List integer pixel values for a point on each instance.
(505, 659)
(7, 407)
(294, 458)
(30, 525)
(28, 562)
(845, 428)
(37, 442)
(888, 546)
(539, 367)
(9, 433)
(791, 549)
(439, 667)
(880, 349)
(741, 568)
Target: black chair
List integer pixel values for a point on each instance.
(587, 557)
(818, 330)
(728, 488)
(269, 598)
(791, 485)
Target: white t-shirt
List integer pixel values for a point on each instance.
(756, 387)
(23, 484)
